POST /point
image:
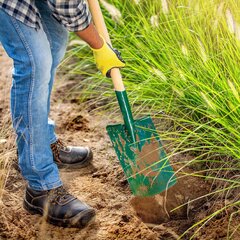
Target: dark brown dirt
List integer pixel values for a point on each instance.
(103, 185)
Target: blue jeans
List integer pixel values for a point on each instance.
(36, 55)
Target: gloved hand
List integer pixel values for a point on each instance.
(107, 58)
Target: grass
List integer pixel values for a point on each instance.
(6, 155)
(182, 68)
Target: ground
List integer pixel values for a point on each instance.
(102, 185)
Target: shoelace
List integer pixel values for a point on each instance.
(58, 194)
(56, 147)
(61, 144)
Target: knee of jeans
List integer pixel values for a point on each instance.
(42, 71)
(36, 66)
(43, 64)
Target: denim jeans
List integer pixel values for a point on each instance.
(36, 55)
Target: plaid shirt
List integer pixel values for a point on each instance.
(73, 14)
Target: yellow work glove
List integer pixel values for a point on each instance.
(107, 58)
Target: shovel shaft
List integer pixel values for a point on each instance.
(127, 114)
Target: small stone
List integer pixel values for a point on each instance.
(2, 140)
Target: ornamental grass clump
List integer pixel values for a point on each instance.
(183, 62)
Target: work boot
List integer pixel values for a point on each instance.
(71, 157)
(58, 207)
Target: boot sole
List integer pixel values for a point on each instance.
(80, 220)
(85, 162)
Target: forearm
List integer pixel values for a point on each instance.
(106, 58)
(91, 36)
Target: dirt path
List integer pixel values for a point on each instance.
(102, 185)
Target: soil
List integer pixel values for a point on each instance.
(102, 185)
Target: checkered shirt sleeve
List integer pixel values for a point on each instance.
(73, 14)
(22, 10)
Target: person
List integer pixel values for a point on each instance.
(35, 35)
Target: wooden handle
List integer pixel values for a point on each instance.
(102, 29)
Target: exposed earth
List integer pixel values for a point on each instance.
(102, 185)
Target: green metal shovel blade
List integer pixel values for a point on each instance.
(144, 162)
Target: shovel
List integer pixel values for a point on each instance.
(136, 142)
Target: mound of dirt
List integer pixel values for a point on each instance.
(162, 207)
